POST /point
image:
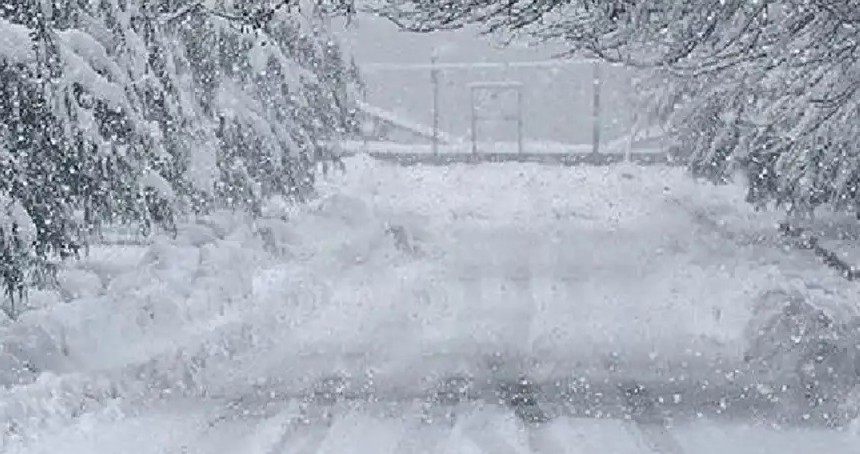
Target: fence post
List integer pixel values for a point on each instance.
(434, 78)
(595, 86)
(519, 121)
(474, 119)
(631, 115)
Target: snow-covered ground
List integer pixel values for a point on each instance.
(450, 146)
(399, 275)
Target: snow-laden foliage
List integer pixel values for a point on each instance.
(132, 111)
(768, 88)
(781, 111)
(17, 232)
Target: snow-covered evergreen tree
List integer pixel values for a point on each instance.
(131, 111)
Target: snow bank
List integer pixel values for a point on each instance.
(169, 317)
(124, 320)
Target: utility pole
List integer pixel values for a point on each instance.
(434, 78)
(595, 83)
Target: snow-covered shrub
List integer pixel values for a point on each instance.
(154, 328)
(792, 341)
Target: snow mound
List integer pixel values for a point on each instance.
(166, 316)
(120, 320)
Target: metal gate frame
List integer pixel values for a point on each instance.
(496, 87)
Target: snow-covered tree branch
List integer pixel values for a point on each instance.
(256, 14)
(769, 87)
(134, 111)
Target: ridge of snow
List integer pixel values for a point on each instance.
(398, 120)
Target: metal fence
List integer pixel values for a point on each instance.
(572, 102)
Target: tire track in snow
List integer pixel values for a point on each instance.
(485, 427)
(272, 427)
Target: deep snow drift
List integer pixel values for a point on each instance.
(405, 274)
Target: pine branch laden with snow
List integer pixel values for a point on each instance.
(258, 14)
(288, 91)
(768, 88)
(17, 232)
(113, 115)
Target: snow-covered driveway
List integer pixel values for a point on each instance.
(196, 428)
(401, 277)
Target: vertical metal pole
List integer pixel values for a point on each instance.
(520, 120)
(365, 120)
(474, 132)
(631, 116)
(596, 106)
(434, 77)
